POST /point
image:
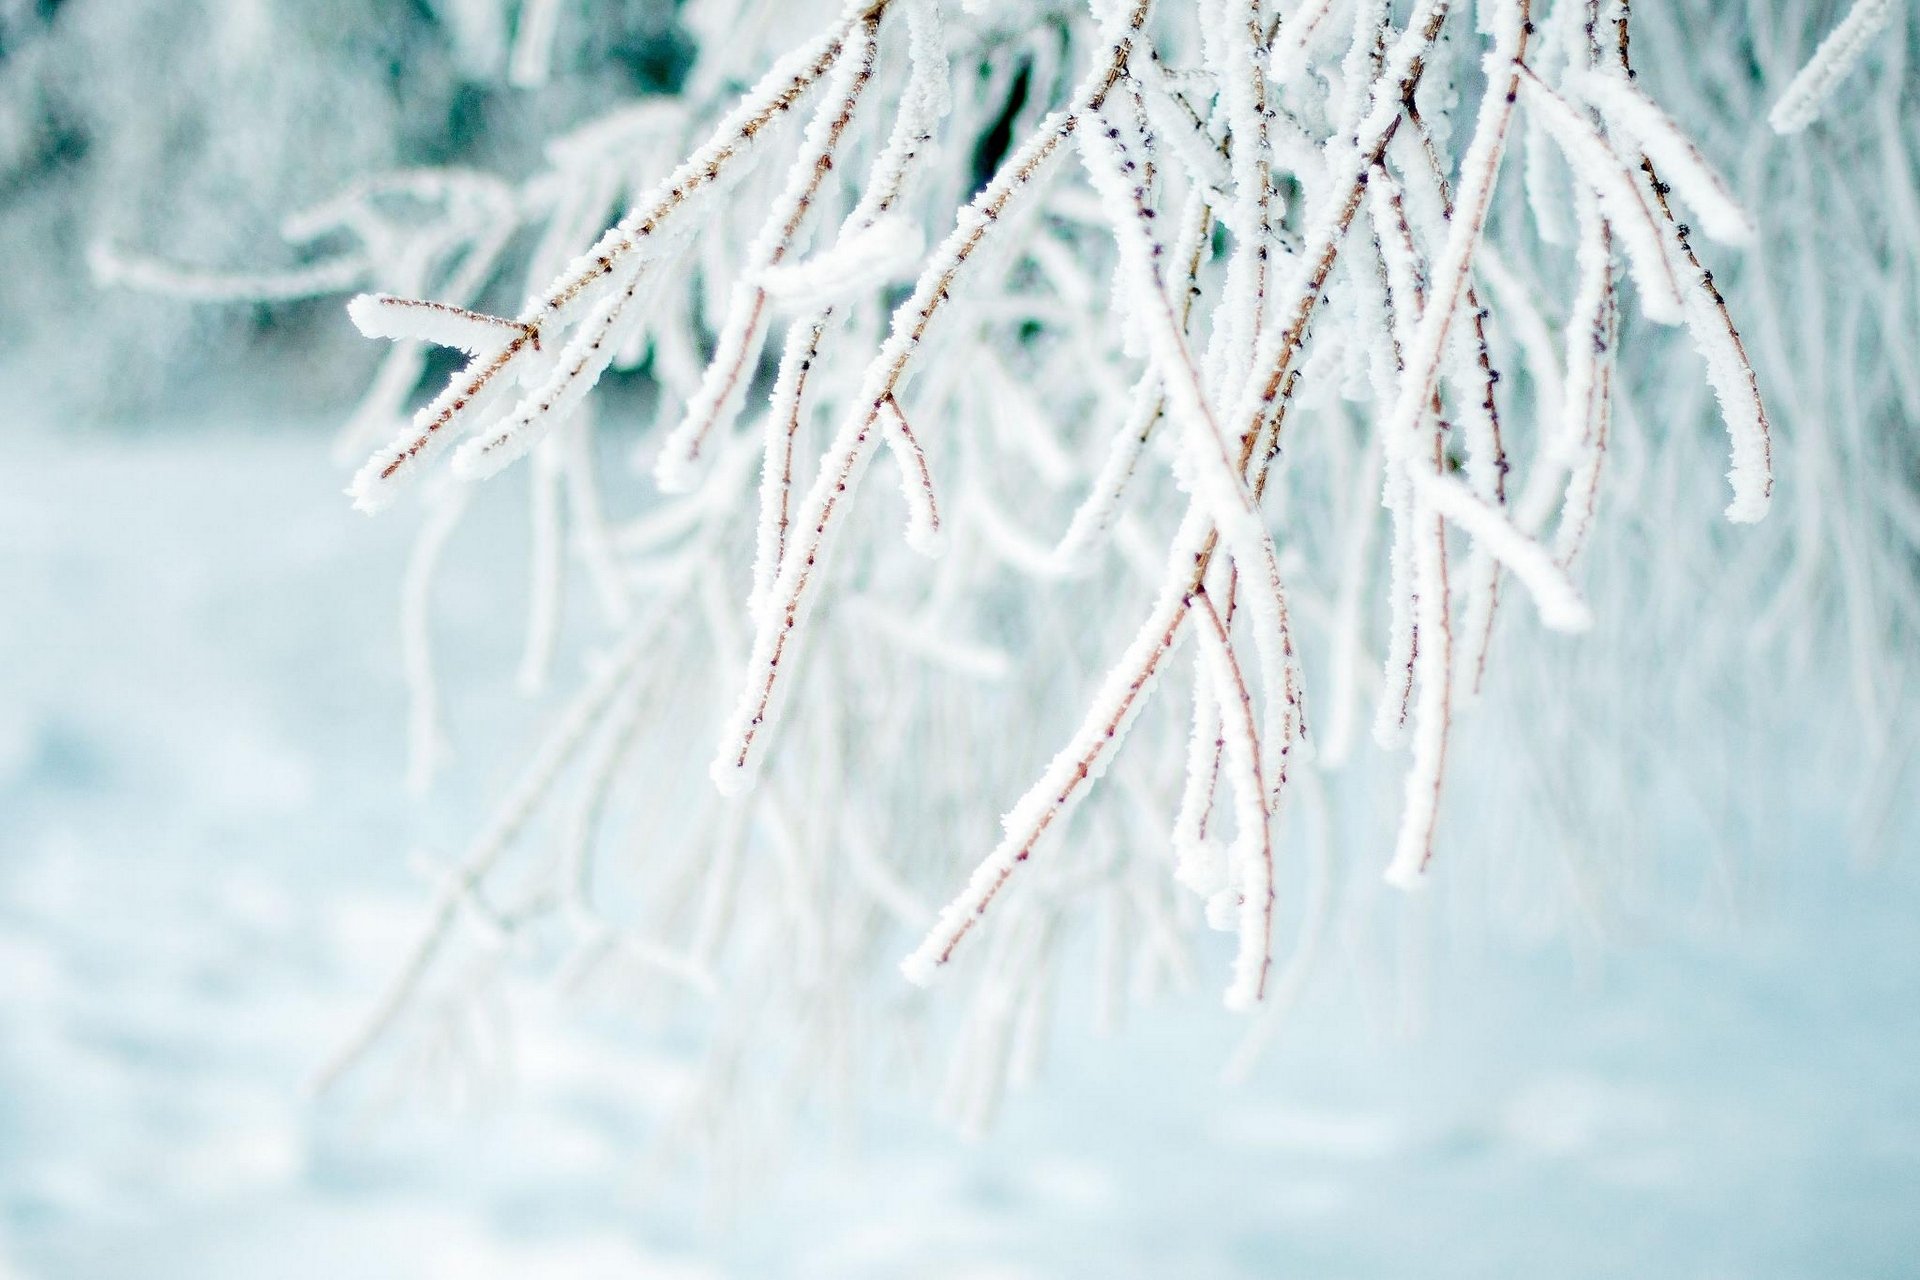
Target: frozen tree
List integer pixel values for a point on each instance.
(1249, 379)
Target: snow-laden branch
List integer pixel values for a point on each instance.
(1807, 94)
(1282, 359)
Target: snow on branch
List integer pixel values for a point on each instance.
(116, 267)
(1341, 365)
(1807, 94)
(379, 315)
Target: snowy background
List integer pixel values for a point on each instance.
(202, 888)
(204, 872)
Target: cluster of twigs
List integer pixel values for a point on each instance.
(1278, 300)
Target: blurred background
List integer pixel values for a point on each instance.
(1686, 1049)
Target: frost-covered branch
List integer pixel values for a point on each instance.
(1292, 358)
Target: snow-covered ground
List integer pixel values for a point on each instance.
(203, 874)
